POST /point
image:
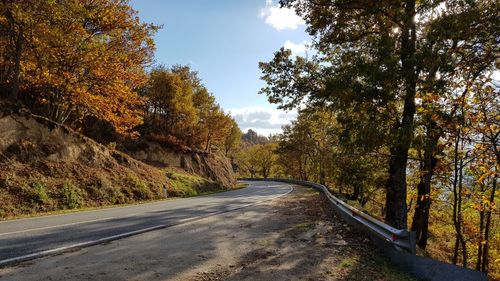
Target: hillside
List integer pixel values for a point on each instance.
(212, 166)
(47, 168)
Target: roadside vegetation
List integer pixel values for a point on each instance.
(56, 60)
(25, 189)
(185, 185)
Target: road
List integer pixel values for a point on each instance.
(24, 239)
(293, 237)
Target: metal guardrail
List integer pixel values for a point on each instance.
(399, 245)
(400, 239)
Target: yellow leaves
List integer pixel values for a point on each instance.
(86, 56)
(3, 20)
(485, 174)
(477, 206)
(484, 204)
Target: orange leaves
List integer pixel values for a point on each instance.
(87, 57)
(484, 205)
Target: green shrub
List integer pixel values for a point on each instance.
(105, 192)
(186, 185)
(139, 188)
(112, 145)
(39, 193)
(71, 197)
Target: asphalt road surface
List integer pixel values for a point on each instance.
(25, 239)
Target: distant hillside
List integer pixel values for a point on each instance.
(251, 137)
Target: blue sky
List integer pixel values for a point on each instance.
(224, 40)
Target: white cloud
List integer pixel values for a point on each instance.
(263, 120)
(296, 49)
(280, 18)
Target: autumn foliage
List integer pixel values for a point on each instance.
(180, 108)
(73, 59)
(83, 63)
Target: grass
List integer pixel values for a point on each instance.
(76, 210)
(183, 185)
(240, 185)
(348, 262)
(365, 266)
(304, 226)
(261, 242)
(187, 185)
(85, 209)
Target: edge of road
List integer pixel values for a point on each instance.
(109, 207)
(77, 246)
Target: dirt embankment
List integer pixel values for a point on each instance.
(44, 168)
(212, 166)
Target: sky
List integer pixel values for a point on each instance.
(224, 40)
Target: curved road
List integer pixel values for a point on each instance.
(25, 239)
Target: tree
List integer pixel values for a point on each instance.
(181, 110)
(257, 159)
(233, 139)
(65, 52)
(485, 113)
(219, 126)
(456, 48)
(307, 144)
(15, 23)
(170, 103)
(372, 55)
(213, 124)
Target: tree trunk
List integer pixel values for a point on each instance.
(421, 216)
(457, 203)
(460, 217)
(456, 221)
(265, 172)
(479, 242)
(207, 143)
(484, 266)
(17, 37)
(356, 192)
(16, 79)
(395, 214)
(395, 204)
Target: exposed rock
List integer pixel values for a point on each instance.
(208, 165)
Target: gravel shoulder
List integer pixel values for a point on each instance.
(294, 237)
